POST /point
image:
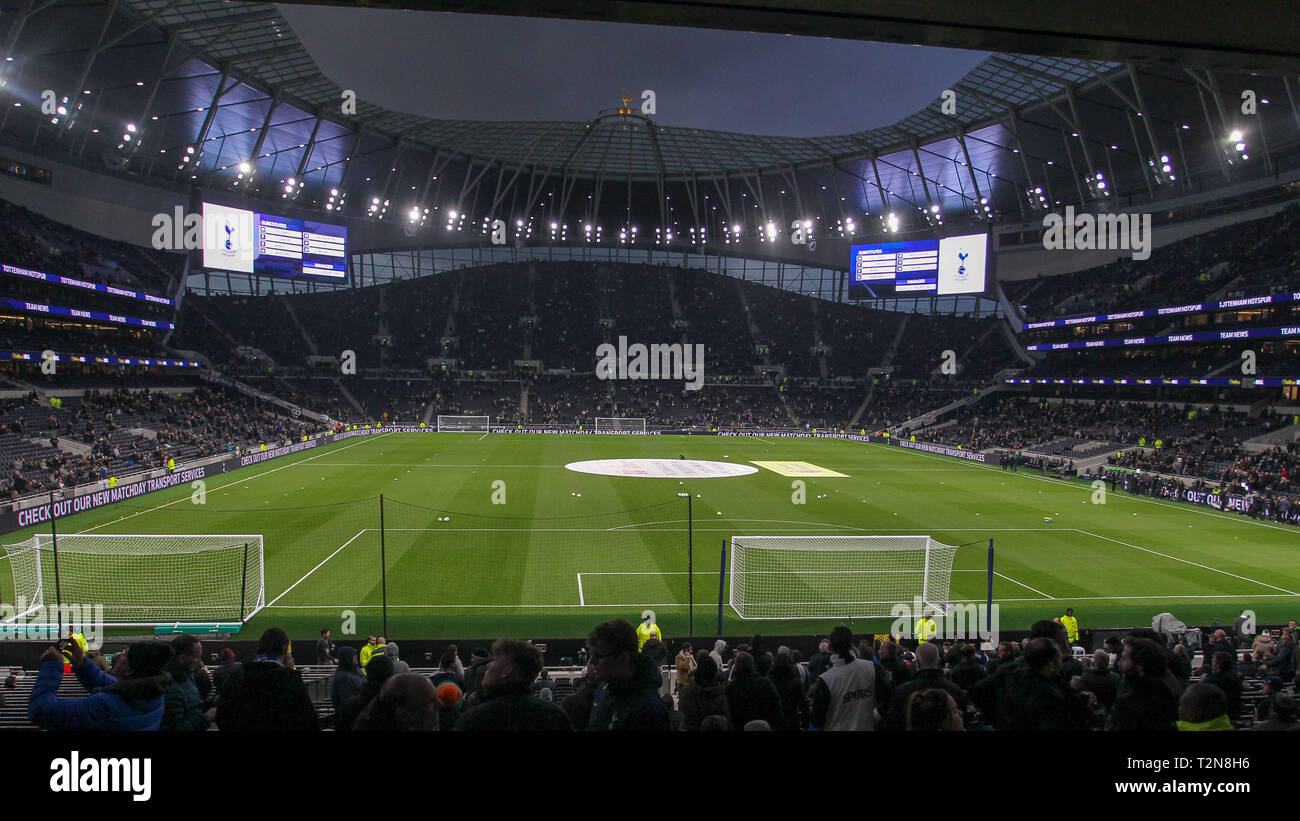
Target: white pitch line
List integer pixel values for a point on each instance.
(1013, 581)
(229, 484)
(1187, 561)
(761, 573)
(581, 599)
(314, 569)
(484, 436)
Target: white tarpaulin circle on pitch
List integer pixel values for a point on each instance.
(662, 468)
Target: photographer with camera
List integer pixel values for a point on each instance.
(130, 698)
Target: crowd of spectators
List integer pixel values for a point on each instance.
(119, 432)
(1181, 272)
(1144, 682)
(41, 244)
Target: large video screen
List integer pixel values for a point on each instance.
(924, 267)
(249, 242)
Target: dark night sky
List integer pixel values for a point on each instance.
(484, 67)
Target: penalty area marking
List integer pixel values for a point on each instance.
(317, 567)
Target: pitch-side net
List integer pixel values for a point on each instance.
(141, 580)
(463, 424)
(837, 577)
(610, 424)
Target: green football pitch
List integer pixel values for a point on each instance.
(489, 535)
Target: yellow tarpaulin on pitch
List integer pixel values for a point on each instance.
(798, 469)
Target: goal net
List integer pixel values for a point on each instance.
(608, 424)
(141, 580)
(837, 577)
(463, 424)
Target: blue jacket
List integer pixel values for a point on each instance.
(131, 704)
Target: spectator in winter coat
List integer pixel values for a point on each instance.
(399, 666)
(269, 695)
(654, 649)
(378, 671)
(820, 661)
(704, 694)
(762, 656)
(182, 704)
(1101, 681)
(789, 686)
(627, 697)
(887, 659)
(752, 697)
(1037, 699)
(1145, 701)
(227, 667)
(968, 670)
(1226, 679)
(685, 665)
(1284, 663)
(508, 702)
(578, 705)
(478, 661)
(347, 680)
(928, 677)
(131, 698)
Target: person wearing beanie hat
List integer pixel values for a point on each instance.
(757, 725)
(226, 668)
(269, 694)
(478, 662)
(379, 670)
(130, 698)
(448, 695)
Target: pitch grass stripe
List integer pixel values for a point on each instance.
(1188, 561)
(1063, 483)
(575, 607)
(317, 567)
(229, 484)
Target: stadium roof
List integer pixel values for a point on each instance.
(223, 95)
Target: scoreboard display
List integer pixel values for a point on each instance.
(925, 267)
(250, 242)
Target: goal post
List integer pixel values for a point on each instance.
(141, 580)
(619, 424)
(837, 577)
(464, 424)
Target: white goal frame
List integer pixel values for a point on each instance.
(618, 426)
(862, 576)
(128, 600)
(454, 427)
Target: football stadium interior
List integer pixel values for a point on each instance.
(1025, 358)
